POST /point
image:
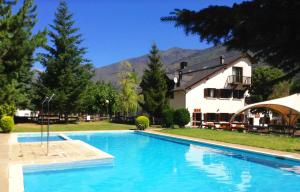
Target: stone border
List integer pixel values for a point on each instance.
(15, 178)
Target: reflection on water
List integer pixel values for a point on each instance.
(208, 160)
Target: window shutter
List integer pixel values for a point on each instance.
(205, 117)
(218, 117)
(205, 92)
(217, 93)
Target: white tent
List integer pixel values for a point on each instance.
(288, 107)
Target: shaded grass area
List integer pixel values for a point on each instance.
(83, 126)
(282, 143)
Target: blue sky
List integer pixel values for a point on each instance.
(114, 30)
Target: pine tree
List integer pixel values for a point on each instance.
(17, 46)
(268, 29)
(67, 72)
(154, 85)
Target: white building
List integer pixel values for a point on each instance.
(214, 90)
(23, 113)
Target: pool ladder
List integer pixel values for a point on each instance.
(48, 100)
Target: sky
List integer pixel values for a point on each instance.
(114, 30)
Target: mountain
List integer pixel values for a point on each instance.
(171, 59)
(109, 73)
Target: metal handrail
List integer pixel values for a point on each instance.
(236, 79)
(48, 126)
(42, 111)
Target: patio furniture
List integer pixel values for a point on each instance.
(238, 126)
(208, 125)
(258, 129)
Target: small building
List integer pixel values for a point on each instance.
(23, 113)
(213, 90)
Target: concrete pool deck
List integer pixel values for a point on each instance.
(14, 155)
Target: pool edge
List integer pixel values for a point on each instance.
(244, 148)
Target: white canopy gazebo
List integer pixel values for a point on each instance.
(288, 107)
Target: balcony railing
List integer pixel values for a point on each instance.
(239, 80)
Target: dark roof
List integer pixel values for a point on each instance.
(196, 72)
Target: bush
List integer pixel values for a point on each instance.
(142, 122)
(168, 118)
(7, 110)
(181, 117)
(6, 124)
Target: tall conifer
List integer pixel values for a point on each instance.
(17, 47)
(154, 85)
(67, 71)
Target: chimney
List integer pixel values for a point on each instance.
(183, 65)
(222, 60)
(177, 80)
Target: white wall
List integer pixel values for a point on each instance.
(194, 98)
(23, 113)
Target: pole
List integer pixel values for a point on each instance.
(48, 126)
(42, 112)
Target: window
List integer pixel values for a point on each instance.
(237, 73)
(238, 94)
(210, 92)
(211, 117)
(197, 118)
(225, 117)
(240, 118)
(225, 93)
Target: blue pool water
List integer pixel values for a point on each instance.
(143, 163)
(38, 139)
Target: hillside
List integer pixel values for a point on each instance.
(110, 72)
(171, 59)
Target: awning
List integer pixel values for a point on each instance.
(288, 107)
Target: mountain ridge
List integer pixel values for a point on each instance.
(171, 59)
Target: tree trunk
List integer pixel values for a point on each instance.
(66, 118)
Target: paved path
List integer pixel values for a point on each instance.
(4, 158)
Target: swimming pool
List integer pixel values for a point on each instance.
(37, 138)
(147, 163)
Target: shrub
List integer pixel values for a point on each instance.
(181, 117)
(7, 110)
(142, 122)
(168, 118)
(6, 124)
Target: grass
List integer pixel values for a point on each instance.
(83, 126)
(281, 143)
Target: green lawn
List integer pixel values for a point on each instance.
(83, 126)
(281, 143)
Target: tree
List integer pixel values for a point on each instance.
(67, 72)
(260, 91)
(281, 89)
(154, 86)
(268, 29)
(96, 96)
(181, 117)
(17, 47)
(128, 89)
(295, 88)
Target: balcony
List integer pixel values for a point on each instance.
(239, 80)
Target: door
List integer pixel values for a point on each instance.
(237, 73)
